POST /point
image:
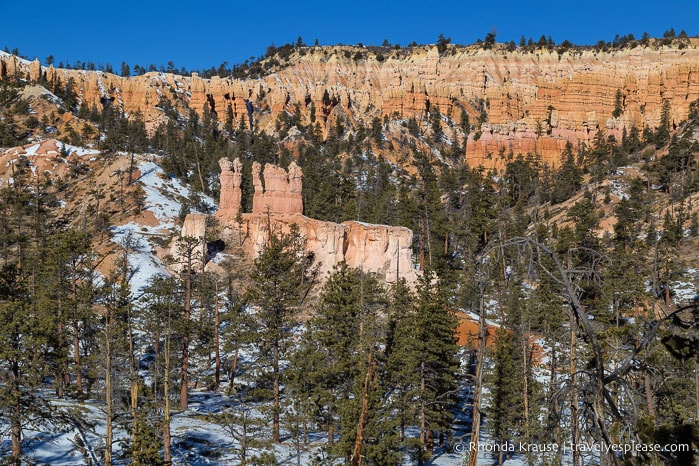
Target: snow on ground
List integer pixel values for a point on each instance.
(79, 151)
(618, 189)
(31, 150)
(685, 290)
(24, 61)
(75, 437)
(163, 198)
(475, 317)
(164, 193)
(70, 149)
(142, 259)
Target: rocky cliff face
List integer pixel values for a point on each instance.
(381, 249)
(281, 192)
(533, 101)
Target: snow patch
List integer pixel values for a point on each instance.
(143, 262)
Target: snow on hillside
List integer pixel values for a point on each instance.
(69, 149)
(164, 196)
(21, 60)
(142, 259)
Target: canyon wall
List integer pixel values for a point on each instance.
(534, 101)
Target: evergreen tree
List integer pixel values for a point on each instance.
(161, 311)
(245, 425)
(345, 369)
(618, 104)
(25, 337)
(279, 282)
(435, 364)
(662, 132)
(401, 347)
(513, 394)
(32, 346)
(568, 179)
(115, 296)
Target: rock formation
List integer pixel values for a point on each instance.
(231, 194)
(281, 193)
(191, 245)
(381, 249)
(535, 101)
(194, 226)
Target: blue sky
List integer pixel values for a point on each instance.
(204, 33)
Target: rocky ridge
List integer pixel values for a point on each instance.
(526, 101)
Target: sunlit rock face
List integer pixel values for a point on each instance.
(534, 102)
(277, 205)
(281, 193)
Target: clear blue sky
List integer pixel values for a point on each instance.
(204, 33)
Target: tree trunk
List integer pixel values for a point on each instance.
(696, 385)
(421, 246)
(430, 443)
(357, 453)
(78, 367)
(201, 178)
(167, 455)
(234, 368)
(573, 395)
(275, 408)
(423, 421)
(525, 383)
(216, 338)
(60, 374)
(16, 420)
(476, 425)
(331, 427)
(108, 391)
(133, 376)
(650, 397)
(184, 401)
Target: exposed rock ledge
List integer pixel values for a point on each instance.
(380, 249)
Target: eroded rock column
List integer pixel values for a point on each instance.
(231, 194)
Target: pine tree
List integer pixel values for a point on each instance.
(115, 296)
(618, 104)
(344, 371)
(247, 427)
(190, 252)
(279, 282)
(513, 388)
(31, 350)
(662, 132)
(73, 251)
(161, 310)
(401, 347)
(436, 363)
(24, 347)
(331, 342)
(568, 179)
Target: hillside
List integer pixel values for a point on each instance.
(524, 101)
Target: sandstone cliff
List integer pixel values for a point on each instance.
(381, 249)
(533, 101)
